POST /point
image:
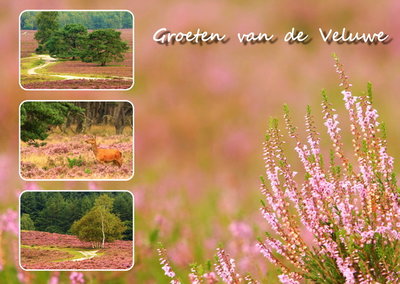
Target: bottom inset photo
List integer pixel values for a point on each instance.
(76, 230)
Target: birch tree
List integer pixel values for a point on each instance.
(99, 225)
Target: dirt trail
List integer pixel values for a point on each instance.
(48, 60)
(87, 255)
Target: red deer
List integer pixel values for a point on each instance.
(105, 155)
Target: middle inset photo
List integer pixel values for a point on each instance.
(76, 140)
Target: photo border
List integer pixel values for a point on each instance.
(133, 230)
(78, 179)
(77, 10)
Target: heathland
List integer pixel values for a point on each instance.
(81, 140)
(42, 67)
(76, 230)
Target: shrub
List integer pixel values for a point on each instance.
(75, 162)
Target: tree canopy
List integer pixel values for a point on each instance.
(37, 117)
(47, 25)
(57, 212)
(68, 42)
(73, 41)
(105, 46)
(99, 225)
(90, 19)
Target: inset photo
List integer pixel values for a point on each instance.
(76, 49)
(76, 140)
(76, 230)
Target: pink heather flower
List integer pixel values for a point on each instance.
(207, 278)
(240, 230)
(54, 279)
(21, 276)
(9, 222)
(266, 252)
(76, 278)
(286, 279)
(210, 278)
(225, 267)
(194, 278)
(167, 269)
(346, 269)
(166, 266)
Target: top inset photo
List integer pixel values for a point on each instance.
(76, 49)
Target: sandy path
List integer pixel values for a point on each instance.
(48, 59)
(86, 255)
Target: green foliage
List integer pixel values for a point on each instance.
(89, 228)
(105, 46)
(47, 25)
(68, 42)
(99, 223)
(73, 41)
(27, 223)
(154, 236)
(75, 162)
(36, 144)
(91, 20)
(37, 117)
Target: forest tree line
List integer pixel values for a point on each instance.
(91, 20)
(56, 212)
(39, 119)
(118, 114)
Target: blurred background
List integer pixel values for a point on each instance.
(200, 117)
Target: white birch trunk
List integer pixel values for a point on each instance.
(102, 229)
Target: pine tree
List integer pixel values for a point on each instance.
(37, 117)
(47, 25)
(68, 42)
(105, 46)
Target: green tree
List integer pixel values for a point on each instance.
(27, 223)
(123, 209)
(28, 20)
(99, 225)
(37, 117)
(69, 42)
(105, 46)
(47, 25)
(52, 217)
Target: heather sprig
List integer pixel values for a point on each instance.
(223, 269)
(352, 212)
(165, 265)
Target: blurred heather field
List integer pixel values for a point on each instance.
(201, 114)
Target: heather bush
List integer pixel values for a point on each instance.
(347, 204)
